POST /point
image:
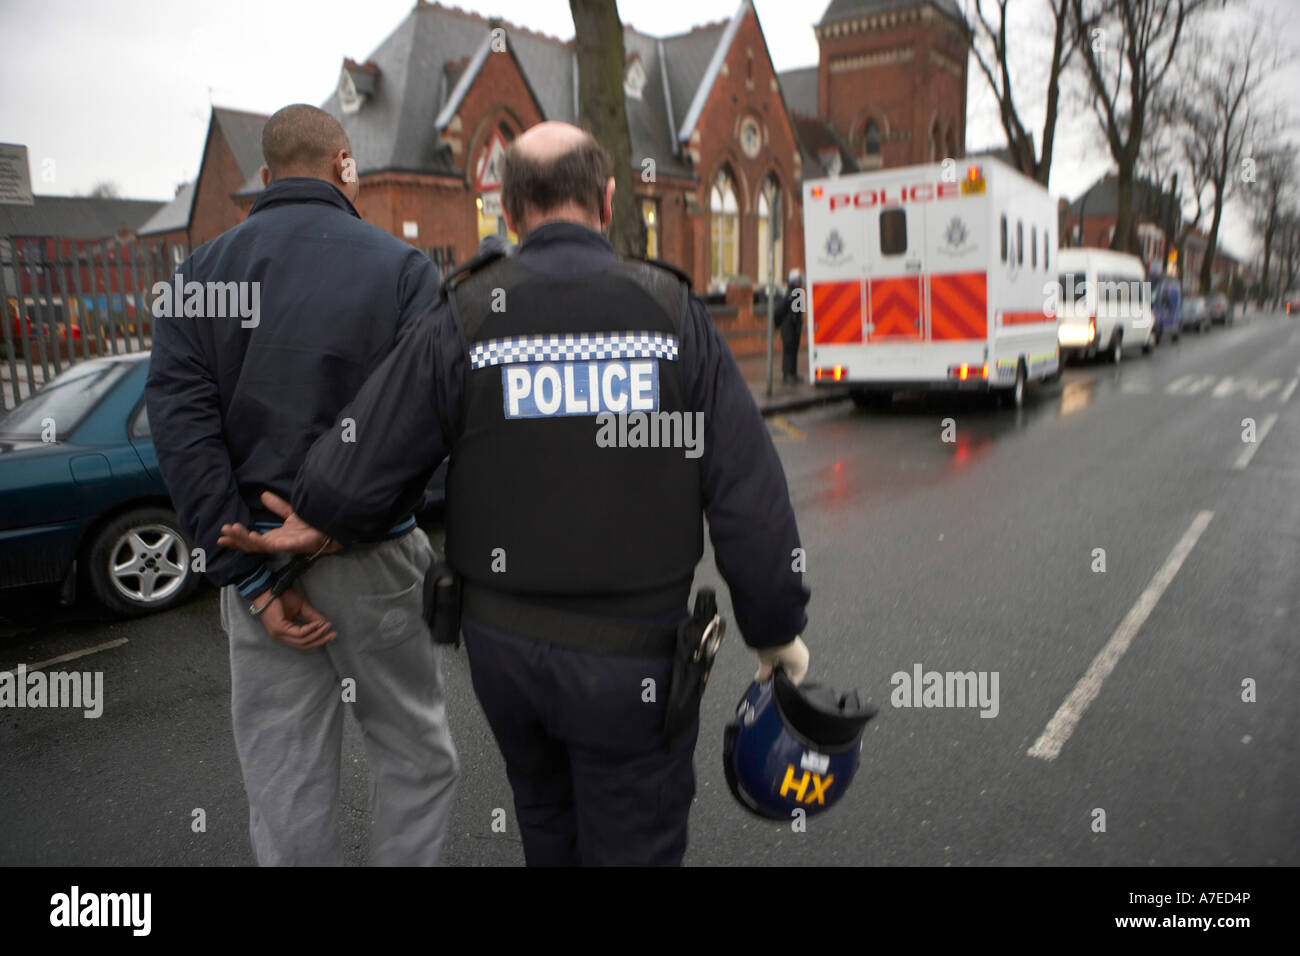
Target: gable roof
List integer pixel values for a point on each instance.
(76, 217)
(1102, 197)
(243, 134)
(704, 84)
(173, 215)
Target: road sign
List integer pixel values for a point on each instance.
(492, 165)
(15, 177)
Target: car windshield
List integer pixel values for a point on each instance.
(65, 401)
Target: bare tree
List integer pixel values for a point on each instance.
(991, 54)
(1128, 48)
(1220, 110)
(1268, 201)
(598, 38)
(105, 189)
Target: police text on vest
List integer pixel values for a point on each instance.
(552, 389)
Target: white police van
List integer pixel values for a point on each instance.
(931, 277)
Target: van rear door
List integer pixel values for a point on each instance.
(896, 290)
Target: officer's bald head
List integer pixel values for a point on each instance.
(556, 172)
(301, 140)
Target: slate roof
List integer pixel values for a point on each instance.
(172, 215)
(431, 58)
(76, 217)
(799, 87)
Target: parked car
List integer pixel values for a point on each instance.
(1196, 314)
(82, 502)
(1220, 309)
(1105, 304)
(1167, 307)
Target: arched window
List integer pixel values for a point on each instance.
(952, 140)
(872, 138)
(769, 201)
(936, 142)
(724, 229)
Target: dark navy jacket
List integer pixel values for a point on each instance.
(233, 405)
(411, 408)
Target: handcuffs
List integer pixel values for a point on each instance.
(283, 579)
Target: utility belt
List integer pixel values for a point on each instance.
(692, 645)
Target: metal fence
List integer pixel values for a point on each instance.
(67, 301)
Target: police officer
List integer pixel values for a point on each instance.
(789, 319)
(575, 524)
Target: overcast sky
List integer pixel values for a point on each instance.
(120, 91)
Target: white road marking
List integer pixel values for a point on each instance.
(1286, 392)
(1249, 451)
(1190, 384)
(73, 655)
(1061, 726)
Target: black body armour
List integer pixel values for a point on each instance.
(538, 503)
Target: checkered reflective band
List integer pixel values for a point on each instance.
(573, 347)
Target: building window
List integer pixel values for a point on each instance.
(893, 232)
(769, 202)
(650, 216)
(872, 138)
(724, 227)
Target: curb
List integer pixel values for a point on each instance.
(777, 405)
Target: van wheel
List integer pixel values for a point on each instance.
(1149, 344)
(1116, 348)
(1017, 397)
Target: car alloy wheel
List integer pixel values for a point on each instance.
(148, 564)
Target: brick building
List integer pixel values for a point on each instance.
(720, 141)
(205, 208)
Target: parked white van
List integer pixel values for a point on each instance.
(1103, 303)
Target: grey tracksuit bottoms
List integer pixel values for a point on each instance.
(287, 707)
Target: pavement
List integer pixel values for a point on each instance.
(1122, 555)
(785, 398)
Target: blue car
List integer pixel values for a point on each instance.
(82, 502)
(1167, 308)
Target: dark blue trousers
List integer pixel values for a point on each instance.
(583, 747)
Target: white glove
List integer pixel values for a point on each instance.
(792, 657)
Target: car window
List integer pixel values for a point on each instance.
(64, 402)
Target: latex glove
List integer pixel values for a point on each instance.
(792, 657)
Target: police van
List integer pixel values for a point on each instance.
(931, 277)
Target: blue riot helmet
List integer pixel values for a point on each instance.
(793, 747)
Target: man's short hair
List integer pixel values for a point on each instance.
(578, 175)
(301, 139)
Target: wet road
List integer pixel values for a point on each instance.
(1119, 733)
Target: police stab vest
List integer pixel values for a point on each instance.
(572, 474)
